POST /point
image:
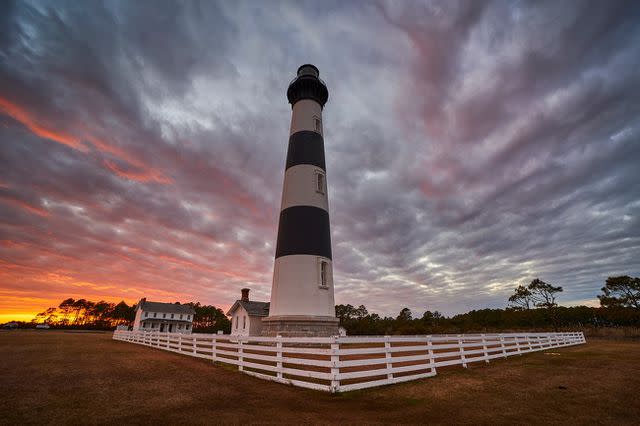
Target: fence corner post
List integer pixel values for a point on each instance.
(432, 361)
(279, 356)
(335, 365)
(461, 349)
(484, 349)
(504, 351)
(387, 355)
(214, 349)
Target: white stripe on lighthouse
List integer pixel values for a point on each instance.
(301, 187)
(304, 115)
(296, 287)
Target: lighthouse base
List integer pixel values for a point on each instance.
(300, 326)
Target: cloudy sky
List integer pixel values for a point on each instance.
(471, 147)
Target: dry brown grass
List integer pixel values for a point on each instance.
(57, 377)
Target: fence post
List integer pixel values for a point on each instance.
(461, 349)
(529, 342)
(387, 356)
(518, 344)
(335, 365)
(179, 342)
(504, 351)
(240, 360)
(432, 361)
(484, 349)
(214, 348)
(279, 356)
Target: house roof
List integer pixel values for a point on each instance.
(170, 308)
(165, 320)
(258, 309)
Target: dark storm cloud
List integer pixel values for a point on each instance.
(471, 146)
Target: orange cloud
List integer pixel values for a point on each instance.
(28, 120)
(25, 206)
(21, 115)
(149, 175)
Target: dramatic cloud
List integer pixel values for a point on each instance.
(471, 147)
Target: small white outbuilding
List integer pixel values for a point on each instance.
(246, 316)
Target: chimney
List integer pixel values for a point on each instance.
(245, 295)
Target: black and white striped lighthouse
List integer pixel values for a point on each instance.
(302, 302)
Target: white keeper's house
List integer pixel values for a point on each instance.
(163, 317)
(246, 316)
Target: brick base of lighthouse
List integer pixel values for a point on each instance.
(300, 326)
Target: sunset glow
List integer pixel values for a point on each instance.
(467, 152)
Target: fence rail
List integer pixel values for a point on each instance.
(340, 364)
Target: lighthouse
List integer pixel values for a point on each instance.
(302, 302)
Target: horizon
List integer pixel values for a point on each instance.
(27, 317)
(471, 147)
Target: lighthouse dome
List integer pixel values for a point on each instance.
(308, 85)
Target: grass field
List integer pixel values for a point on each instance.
(63, 377)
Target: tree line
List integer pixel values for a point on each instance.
(85, 314)
(533, 306)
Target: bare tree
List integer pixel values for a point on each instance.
(522, 298)
(622, 291)
(543, 294)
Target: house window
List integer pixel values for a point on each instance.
(317, 123)
(188, 326)
(189, 317)
(144, 325)
(179, 326)
(236, 322)
(154, 314)
(320, 184)
(153, 325)
(180, 316)
(146, 314)
(324, 274)
(171, 316)
(244, 322)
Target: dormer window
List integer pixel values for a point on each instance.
(320, 182)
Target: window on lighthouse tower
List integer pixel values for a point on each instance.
(320, 182)
(324, 273)
(317, 123)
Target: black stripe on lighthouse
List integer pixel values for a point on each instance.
(304, 230)
(306, 147)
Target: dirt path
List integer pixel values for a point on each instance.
(62, 378)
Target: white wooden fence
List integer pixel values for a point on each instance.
(339, 364)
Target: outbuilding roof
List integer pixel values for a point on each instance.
(258, 309)
(170, 308)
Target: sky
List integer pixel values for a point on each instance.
(471, 147)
